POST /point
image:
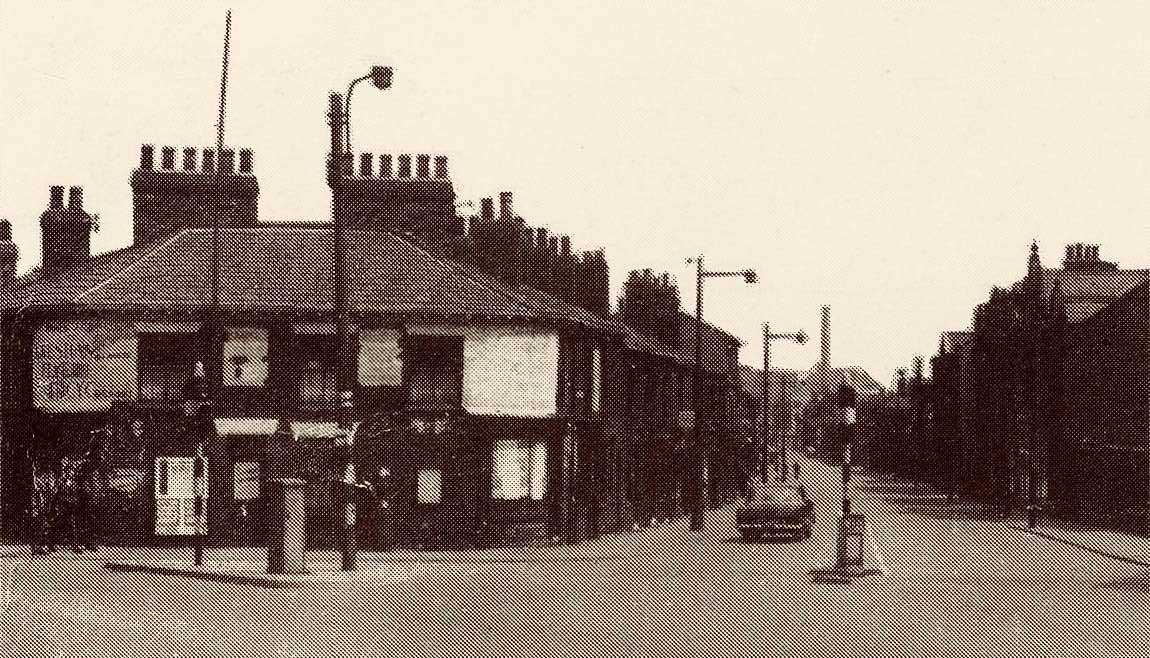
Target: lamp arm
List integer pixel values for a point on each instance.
(347, 113)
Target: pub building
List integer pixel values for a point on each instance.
(496, 400)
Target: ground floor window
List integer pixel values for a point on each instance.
(518, 470)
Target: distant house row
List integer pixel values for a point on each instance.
(1043, 399)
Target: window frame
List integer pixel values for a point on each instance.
(443, 355)
(150, 345)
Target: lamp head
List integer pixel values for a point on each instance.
(750, 276)
(381, 76)
(801, 337)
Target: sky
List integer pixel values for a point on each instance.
(891, 160)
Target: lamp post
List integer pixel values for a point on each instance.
(799, 337)
(699, 501)
(339, 121)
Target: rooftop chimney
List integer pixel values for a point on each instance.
(404, 166)
(505, 206)
(189, 159)
(167, 199)
(441, 167)
(487, 209)
(423, 166)
(9, 254)
(366, 160)
(65, 233)
(245, 161)
(146, 155)
(385, 166)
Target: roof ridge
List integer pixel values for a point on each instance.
(459, 268)
(156, 248)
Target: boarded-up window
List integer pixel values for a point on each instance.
(379, 358)
(429, 486)
(518, 470)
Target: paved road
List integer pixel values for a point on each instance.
(955, 584)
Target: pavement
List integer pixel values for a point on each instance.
(953, 583)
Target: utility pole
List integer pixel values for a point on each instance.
(766, 438)
(699, 501)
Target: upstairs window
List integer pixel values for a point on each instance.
(317, 368)
(434, 371)
(166, 362)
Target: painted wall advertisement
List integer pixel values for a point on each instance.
(83, 365)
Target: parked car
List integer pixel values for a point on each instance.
(775, 508)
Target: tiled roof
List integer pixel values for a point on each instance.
(272, 268)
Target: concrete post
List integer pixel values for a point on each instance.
(287, 534)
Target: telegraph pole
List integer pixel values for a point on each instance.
(767, 405)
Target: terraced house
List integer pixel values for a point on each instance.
(495, 395)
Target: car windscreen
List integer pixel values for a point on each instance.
(776, 495)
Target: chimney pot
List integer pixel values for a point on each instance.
(505, 206)
(209, 163)
(227, 161)
(5, 230)
(168, 157)
(56, 196)
(405, 166)
(441, 167)
(189, 159)
(146, 155)
(487, 209)
(245, 161)
(423, 166)
(565, 245)
(385, 166)
(76, 198)
(366, 160)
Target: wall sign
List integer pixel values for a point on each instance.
(245, 357)
(83, 365)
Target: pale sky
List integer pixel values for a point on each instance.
(893, 160)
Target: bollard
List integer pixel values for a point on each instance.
(286, 528)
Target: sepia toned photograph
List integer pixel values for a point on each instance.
(557, 329)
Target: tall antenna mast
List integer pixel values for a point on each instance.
(216, 220)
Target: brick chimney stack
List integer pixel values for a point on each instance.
(9, 254)
(167, 199)
(65, 232)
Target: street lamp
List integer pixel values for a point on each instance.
(699, 503)
(339, 118)
(799, 337)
